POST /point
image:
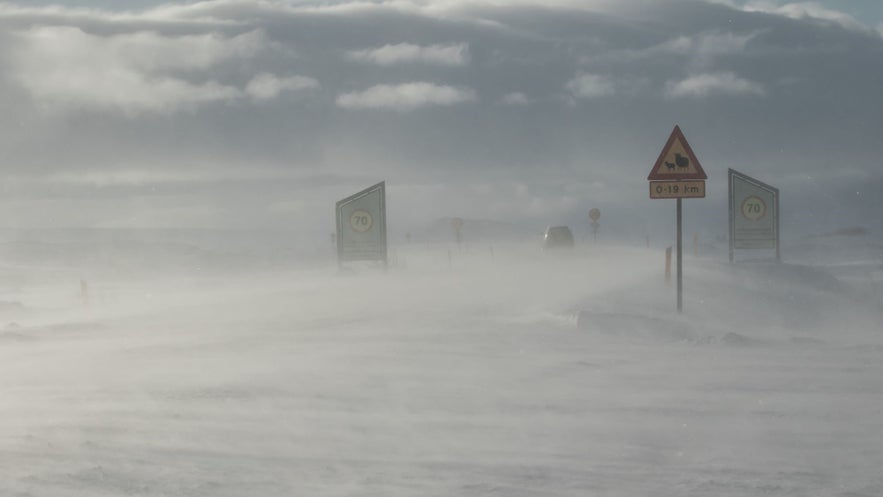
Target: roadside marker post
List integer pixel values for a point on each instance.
(595, 215)
(677, 174)
(457, 227)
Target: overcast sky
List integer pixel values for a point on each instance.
(235, 113)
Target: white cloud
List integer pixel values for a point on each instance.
(707, 44)
(405, 97)
(806, 10)
(515, 98)
(141, 50)
(704, 85)
(67, 15)
(701, 48)
(152, 174)
(132, 73)
(266, 86)
(591, 86)
(450, 55)
(139, 72)
(126, 91)
(444, 9)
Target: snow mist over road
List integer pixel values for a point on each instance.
(504, 372)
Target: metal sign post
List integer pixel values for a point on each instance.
(595, 215)
(457, 227)
(680, 258)
(677, 174)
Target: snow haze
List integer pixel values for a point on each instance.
(174, 321)
(455, 372)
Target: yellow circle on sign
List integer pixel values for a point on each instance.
(361, 221)
(753, 208)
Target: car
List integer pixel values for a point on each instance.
(557, 237)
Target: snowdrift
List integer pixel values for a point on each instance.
(458, 371)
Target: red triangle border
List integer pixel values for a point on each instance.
(676, 134)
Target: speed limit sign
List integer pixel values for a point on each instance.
(361, 221)
(361, 225)
(754, 214)
(753, 208)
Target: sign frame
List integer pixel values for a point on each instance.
(732, 177)
(381, 254)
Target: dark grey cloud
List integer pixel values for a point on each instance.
(532, 110)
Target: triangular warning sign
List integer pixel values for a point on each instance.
(677, 160)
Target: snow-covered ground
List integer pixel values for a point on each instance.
(497, 371)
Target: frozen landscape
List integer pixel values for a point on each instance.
(179, 178)
(512, 373)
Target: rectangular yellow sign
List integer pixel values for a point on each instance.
(677, 189)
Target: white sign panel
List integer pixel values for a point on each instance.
(754, 213)
(361, 225)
